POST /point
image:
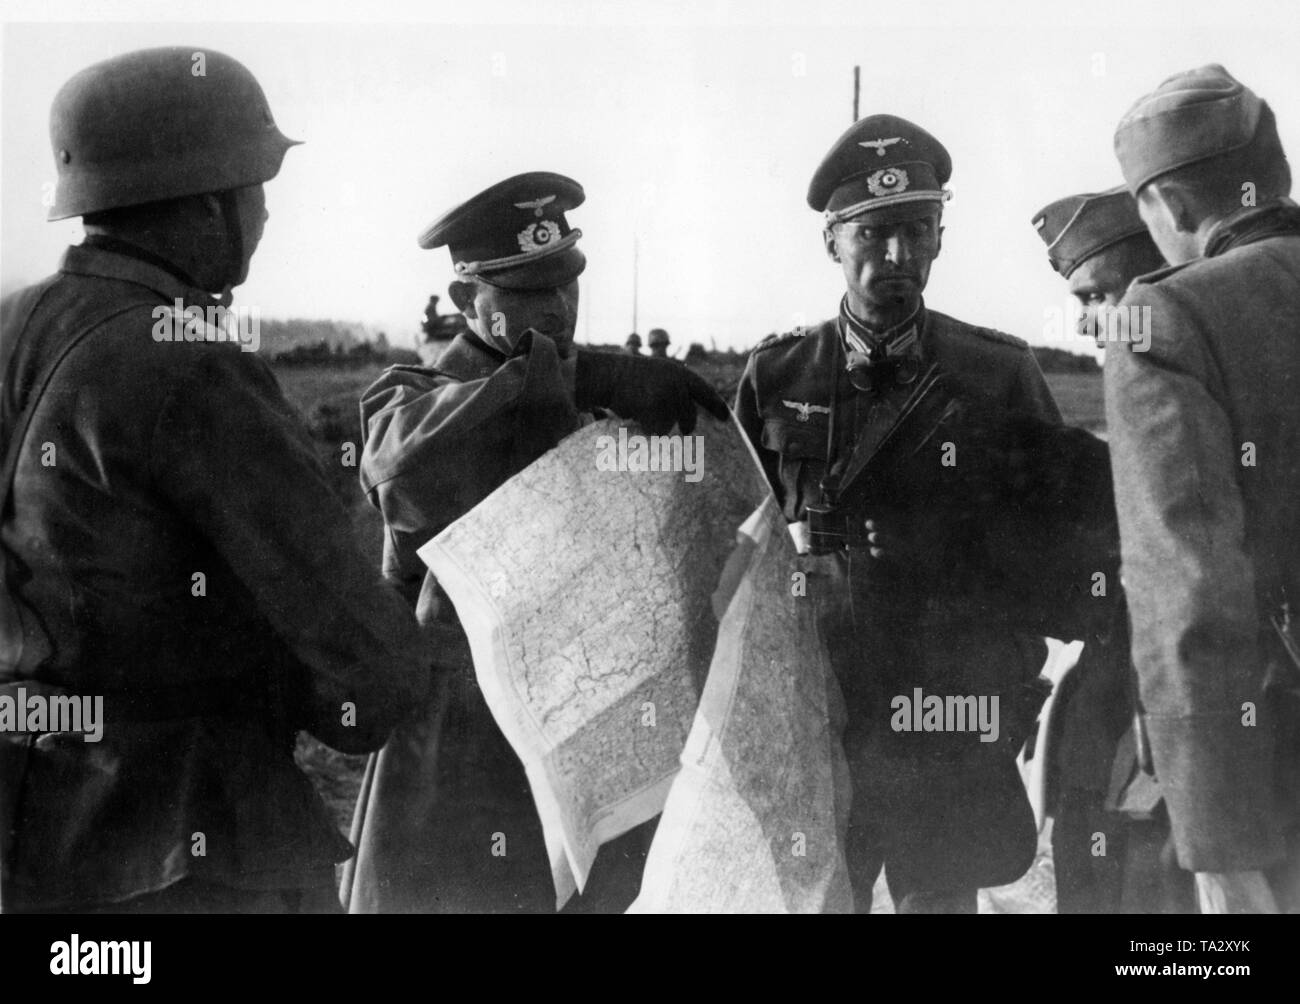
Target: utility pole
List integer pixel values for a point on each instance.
(586, 306)
(636, 261)
(857, 84)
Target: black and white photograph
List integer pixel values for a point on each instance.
(650, 458)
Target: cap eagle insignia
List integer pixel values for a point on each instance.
(536, 205)
(879, 144)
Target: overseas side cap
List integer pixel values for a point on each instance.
(882, 160)
(1079, 226)
(514, 234)
(1190, 117)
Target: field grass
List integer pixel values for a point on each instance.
(327, 397)
(1079, 397)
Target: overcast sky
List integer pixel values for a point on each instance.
(693, 127)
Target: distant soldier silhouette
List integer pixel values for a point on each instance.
(436, 331)
(633, 344)
(658, 342)
(432, 323)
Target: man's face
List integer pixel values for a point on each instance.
(1177, 245)
(886, 254)
(250, 205)
(1099, 283)
(501, 316)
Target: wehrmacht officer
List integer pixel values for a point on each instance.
(1098, 244)
(170, 541)
(1205, 443)
(658, 342)
(943, 814)
(438, 441)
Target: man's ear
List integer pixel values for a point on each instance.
(1186, 217)
(828, 238)
(462, 295)
(210, 205)
(1179, 204)
(938, 241)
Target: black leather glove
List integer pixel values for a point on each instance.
(655, 393)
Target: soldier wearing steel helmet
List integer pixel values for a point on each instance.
(632, 345)
(658, 342)
(170, 540)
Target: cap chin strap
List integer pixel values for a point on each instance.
(477, 268)
(228, 201)
(858, 208)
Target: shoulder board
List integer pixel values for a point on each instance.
(1000, 336)
(788, 336)
(1160, 273)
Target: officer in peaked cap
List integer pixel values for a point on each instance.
(940, 815)
(1204, 421)
(881, 161)
(515, 234)
(173, 459)
(438, 441)
(1099, 783)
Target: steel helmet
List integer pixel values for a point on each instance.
(159, 124)
(658, 336)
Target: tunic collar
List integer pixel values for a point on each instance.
(1256, 223)
(902, 339)
(103, 263)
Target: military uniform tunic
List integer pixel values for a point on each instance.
(1205, 443)
(171, 459)
(943, 813)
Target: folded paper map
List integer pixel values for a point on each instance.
(590, 622)
(755, 820)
